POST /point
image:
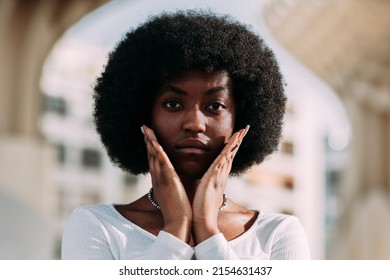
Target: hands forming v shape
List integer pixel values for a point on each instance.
(181, 218)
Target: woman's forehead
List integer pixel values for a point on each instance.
(207, 82)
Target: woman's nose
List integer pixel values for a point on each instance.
(195, 121)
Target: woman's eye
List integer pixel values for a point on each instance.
(216, 107)
(172, 104)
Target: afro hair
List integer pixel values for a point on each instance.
(169, 44)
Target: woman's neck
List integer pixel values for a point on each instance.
(190, 186)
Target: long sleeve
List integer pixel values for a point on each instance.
(290, 241)
(100, 233)
(85, 238)
(215, 248)
(275, 237)
(168, 247)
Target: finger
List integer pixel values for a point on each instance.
(158, 149)
(237, 141)
(154, 168)
(149, 147)
(232, 145)
(160, 166)
(221, 159)
(246, 130)
(152, 145)
(224, 161)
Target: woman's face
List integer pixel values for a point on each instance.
(193, 117)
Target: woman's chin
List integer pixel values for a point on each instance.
(191, 172)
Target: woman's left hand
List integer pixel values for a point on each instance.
(168, 190)
(209, 195)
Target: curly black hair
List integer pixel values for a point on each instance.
(169, 44)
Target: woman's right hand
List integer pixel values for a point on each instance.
(168, 191)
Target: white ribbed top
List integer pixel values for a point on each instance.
(101, 232)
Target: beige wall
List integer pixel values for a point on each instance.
(346, 43)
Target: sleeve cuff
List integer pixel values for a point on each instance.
(168, 247)
(215, 248)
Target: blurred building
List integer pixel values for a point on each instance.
(303, 176)
(28, 31)
(82, 173)
(347, 44)
(46, 174)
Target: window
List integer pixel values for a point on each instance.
(130, 180)
(287, 148)
(55, 105)
(288, 182)
(91, 158)
(333, 178)
(61, 153)
(90, 198)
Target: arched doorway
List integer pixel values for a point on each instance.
(285, 190)
(29, 31)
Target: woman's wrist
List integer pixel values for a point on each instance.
(202, 231)
(180, 228)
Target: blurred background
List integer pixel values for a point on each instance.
(332, 169)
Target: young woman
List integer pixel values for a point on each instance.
(191, 98)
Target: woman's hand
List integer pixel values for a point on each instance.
(168, 191)
(200, 220)
(209, 194)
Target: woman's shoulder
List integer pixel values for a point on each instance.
(90, 231)
(273, 222)
(282, 235)
(96, 209)
(275, 217)
(96, 212)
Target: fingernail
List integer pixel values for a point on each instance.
(143, 130)
(246, 130)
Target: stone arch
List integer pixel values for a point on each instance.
(28, 30)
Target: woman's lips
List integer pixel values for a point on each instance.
(192, 146)
(192, 150)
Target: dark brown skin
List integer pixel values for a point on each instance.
(191, 147)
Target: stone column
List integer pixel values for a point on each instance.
(28, 30)
(347, 44)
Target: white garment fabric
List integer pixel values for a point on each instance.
(101, 232)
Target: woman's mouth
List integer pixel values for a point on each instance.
(192, 146)
(192, 150)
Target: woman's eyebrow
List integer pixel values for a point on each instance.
(217, 89)
(173, 89)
